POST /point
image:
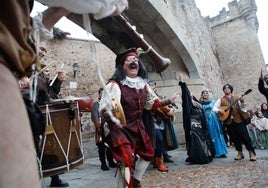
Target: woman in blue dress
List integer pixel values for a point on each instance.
(214, 125)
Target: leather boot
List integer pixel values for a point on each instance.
(136, 183)
(252, 156)
(154, 162)
(57, 182)
(239, 156)
(168, 159)
(112, 164)
(104, 166)
(160, 165)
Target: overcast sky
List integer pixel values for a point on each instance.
(207, 7)
(64, 24)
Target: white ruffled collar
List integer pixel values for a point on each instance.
(137, 83)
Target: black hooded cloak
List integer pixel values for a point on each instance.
(199, 146)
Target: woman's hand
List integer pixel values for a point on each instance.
(180, 78)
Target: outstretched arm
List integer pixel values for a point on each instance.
(52, 15)
(99, 9)
(261, 86)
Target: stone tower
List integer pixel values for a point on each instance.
(236, 37)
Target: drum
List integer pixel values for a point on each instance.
(61, 145)
(85, 104)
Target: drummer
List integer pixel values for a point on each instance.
(45, 93)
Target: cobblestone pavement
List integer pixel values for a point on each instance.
(221, 172)
(236, 174)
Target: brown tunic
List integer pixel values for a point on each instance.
(17, 49)
(234, 111)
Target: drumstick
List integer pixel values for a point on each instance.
(52, 82)
(36, 74)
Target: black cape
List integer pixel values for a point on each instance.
(199, 146)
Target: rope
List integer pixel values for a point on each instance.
(94, 55)
(106, 101)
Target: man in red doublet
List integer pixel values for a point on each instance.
(130, 143)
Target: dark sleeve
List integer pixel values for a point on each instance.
(42, 92)
(95, 112)
(149, 125)
(195, 99)
(262, 89)
(56, 86)
(187, 105)
(186, 98)
(31, 4)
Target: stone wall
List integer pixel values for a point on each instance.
(79, 51)
(195, 35)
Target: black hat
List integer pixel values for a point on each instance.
(42, 65)
(204, 91)
(228, 86)
(122, 55)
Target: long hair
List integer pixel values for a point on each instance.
(120, 73)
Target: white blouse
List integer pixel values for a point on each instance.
(261, 123)
(112, 90)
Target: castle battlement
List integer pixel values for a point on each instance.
(245, 9)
